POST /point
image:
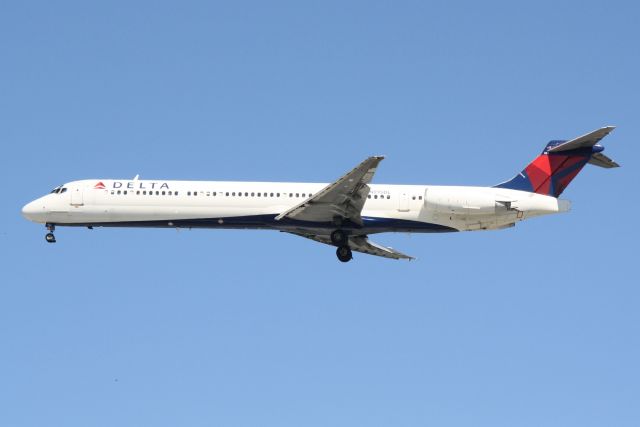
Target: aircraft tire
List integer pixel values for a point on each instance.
(344, 253)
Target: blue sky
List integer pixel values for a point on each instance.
(536, 325)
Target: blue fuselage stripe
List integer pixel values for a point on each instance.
(370, 224)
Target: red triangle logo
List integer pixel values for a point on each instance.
(99, 186)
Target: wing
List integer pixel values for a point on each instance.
(359, 244)
(343, 198)
(588, 140)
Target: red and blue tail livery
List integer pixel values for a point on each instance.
(561, 161)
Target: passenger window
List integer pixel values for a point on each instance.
(195, 193)
(157, 193)
(375, 197)
(112, 191)
(188, 193)
(169, 193)
(388, 197)
(253, 194)
(246, 194)
(214, 194)
(226, 194)
(163, 193)
(208, 193)
(413, 198)
(176, 193)
(368, 196)
(420, 197)
(124, 192)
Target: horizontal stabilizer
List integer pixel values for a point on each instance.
(588, 140)
(599, 159)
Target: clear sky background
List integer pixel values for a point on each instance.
(532, 326)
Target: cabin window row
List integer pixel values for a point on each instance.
(247, 194)
(234, 194)
(146, 193)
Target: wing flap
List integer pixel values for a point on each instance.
(364, 245)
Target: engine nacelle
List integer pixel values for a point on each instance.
(463, 201)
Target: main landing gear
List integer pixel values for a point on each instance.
(344, 253)
(341, 240)
(49, 236)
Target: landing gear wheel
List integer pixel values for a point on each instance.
(344, 253)
(339, 238)
(50, 238)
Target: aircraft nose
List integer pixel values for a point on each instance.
(33, 210)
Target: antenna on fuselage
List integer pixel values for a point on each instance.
(135, 178)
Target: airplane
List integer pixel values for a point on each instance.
(343, 213)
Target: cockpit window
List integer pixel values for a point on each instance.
(59, 189)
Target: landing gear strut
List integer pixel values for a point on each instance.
(339, 238)
(49, 236)
(344, 253)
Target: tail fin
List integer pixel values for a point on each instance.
(561, 161)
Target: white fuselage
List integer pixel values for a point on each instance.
(219, 204)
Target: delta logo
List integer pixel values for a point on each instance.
(139, 185)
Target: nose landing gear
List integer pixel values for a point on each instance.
(49, 236)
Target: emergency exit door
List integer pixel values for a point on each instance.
(403, 202)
